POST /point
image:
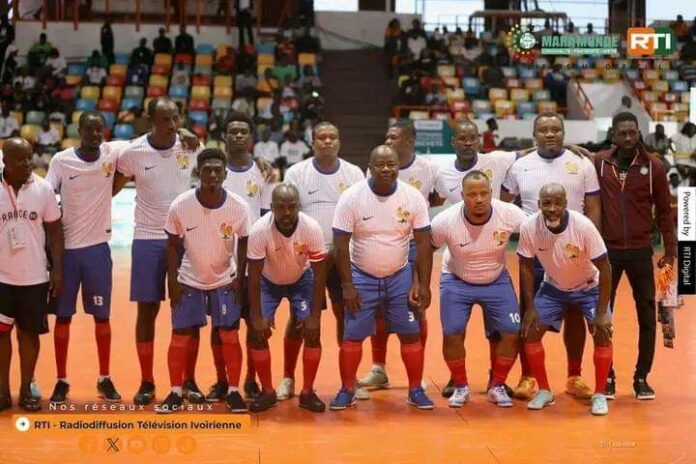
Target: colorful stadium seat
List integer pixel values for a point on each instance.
(178, 91)
(541, 95)
(504, 108)
(90, 92)
(159, 81)
(124, 132)
(77, 69)
(471, 85)
(221, 104)
(268, 60)
(199, 105)
(202, 92)
(201, 79)
(118, 70)
(154, 92)
(204, 60)
(29, 132)
(199, 117)
(205, 49)
(495, 94)
(112, 93)
(304, 59)
(35, 117)
(122, 58)
(118, 80)
(223, 92)
(163, 59)
(129, 103)
(73, 81)
(547, 107)
(159, 69)
(73, 132)
(223, 81)
(109, 118)
(108, 105)
(519, 95)
(135, 92)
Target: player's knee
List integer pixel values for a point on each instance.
(196, 332)
(407, 339)
(64, 320)
(312, 342)
(601, 339)
(100, 320)
(229, 335)
(215, 337)
(188, 331)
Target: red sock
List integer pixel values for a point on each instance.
(102, 332)
(219, 361)
(413, 356)
(535, 358)
(262, 362)
(310, 365)
(423, 331)
(194, 343)
(574, 367)
(177, 358)
(602, 363)
(379, 342)
(291, 351)
(232, 354)
(61, 338)
(251, 370)
(526, 369)
(146, 357)
(501, 369)
(458, 369)
(492, 348)
(348, 361)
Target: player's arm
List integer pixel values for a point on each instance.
(351, 297)
(602, 324)
(265, 167)
(530, 318)
(506, 196)
(120, 181)
(56, 246)
(188, 139)
(435, 200)
(261, 326)
(424, 266)
(579, 151)
(593, 209)
(663, 215)
(174, 245)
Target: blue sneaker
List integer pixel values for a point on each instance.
(419, 399)
(343, 400)
(599, 405)
(541, 400)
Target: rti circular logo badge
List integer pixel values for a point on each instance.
(520, 41)
(23, 424)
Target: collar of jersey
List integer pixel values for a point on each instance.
(198, 198)
(410, 163)
(148, 137)
(490, 215)
(466, 168)
(242, 169)
(332, 171)
(552, 156)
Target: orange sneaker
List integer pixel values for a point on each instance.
(526, 388)
(578, 388)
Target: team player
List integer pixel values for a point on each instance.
(374, 222)
(420, 174)
(29, 216)
(551, 162)
(320, 181)
(207, 222)
(577, 271)
(476, 232)
(246, 179)
(161, 168)
(84, 177)
(287, 259)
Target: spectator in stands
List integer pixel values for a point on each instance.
(141, 123)
(244, 10)
(162, 44)
(307, 42)
(392, 41)
(21, 98)
(269, 84)
(39, 52)
(63, 96)
(570, 27)
(590, 29)
(48, 139)
(658, 142)
(142, 54)
(225, 63)
(688, 73)
(688, 50)
(417, 30)
(7, 36)
(293, 149)
(7, 93)
(107, 41)
(457, 38)
(309, 76)
(246, 80)
(490, 138)
(9, 66)
(137, 74)
(266, 148)
(427, 61)
(557, 83)
(625, 105)
(57, 64)
(685, 141)
(184, 42)
(681, 30)
(97, 59)
(244, 103)
(286, 51)
(411, 92)
(313, 106)
(180, 75)
(284, 71)
(9, 127)
(416, 41)
(27, 80)
(436, 96)
(96, 75)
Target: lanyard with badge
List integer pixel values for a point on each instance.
(621, 178)
(17, 232)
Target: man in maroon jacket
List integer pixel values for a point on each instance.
(632, 182)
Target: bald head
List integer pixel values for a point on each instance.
(14, 146)
(17, 156)
(285, 204)
(552, 204)
(552, 190)
(383, 152)
(465, 124)
(285, 192)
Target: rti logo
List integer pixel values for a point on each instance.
(642, 41)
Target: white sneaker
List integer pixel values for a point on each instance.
(499, 396)
(459, 397)
(35, 390)
(361, 393)
(375, 379)
(286, 389)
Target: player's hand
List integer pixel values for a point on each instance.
(602, 327)
(530, 320)
(56, 282)
(423, 299)
(188, 139)
(262, 326)
(666, 261)
(237, 286)
(583, 152)
(265, 168)
(351, 298)
(413, 296)
(175, 292)
(310, 327)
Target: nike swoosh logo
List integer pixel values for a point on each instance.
(147, 168)
(278, 249)
(367, 218)
(75, 177)
(464, 244)
(453, 189)
(527, 169)
(543, 249)
(312, 192)
(189, 229)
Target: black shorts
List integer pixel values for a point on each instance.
(27, 305)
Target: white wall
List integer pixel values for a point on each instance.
(367, 27)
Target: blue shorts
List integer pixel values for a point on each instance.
(501, 313)
(196, 304)
(89, 268)
(148, 270)
(392, 292)
(299, 294)
(551, 303)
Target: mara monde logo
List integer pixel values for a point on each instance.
(642, 41)
(522, 43)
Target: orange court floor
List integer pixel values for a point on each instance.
(385, 429)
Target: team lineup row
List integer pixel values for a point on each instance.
(368, 242)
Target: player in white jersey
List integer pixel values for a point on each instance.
(287, 259)
(373, 224)
(84, 177)
(476, 232)
(209, 223)
(29, 215)
(551, 162)
(161, 168)
(577, 271)
(420, 174)
(320, 181)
